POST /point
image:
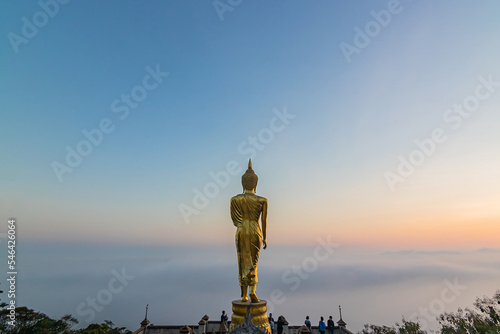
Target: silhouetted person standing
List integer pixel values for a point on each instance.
(330, 325)
(223, 318)
(308, 323)
(271, 322)
(280, 324)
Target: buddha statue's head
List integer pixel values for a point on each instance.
(249, 179)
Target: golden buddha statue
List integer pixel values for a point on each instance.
(246, 209)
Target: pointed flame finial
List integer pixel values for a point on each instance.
(250, 163)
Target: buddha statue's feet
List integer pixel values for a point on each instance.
(244, 299)
(253, 298)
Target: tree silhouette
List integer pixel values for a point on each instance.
(483, 319)
(29, 321)
(406, 327)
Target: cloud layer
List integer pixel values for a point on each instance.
(181, 284)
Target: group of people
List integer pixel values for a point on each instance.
(322, 327)
(278, 325)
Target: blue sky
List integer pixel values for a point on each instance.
(351, 119)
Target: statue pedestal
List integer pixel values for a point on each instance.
(249, 317)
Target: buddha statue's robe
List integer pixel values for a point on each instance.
(245, 212)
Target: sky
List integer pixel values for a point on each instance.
(126, 125)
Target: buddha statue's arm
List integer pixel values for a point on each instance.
(236, 214)
(264, 223)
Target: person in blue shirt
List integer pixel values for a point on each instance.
(322, 326)
(271, 322)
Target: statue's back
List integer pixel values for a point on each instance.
(246, 207)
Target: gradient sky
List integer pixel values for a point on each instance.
(324, 169)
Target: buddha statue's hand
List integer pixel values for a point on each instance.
(264, 242)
